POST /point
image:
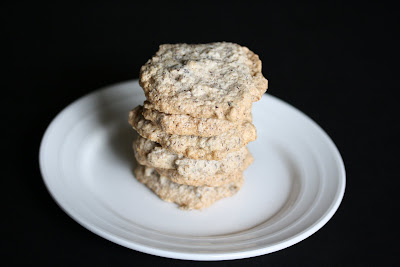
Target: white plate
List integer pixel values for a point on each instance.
(292, 189)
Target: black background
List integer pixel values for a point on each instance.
(334, 61)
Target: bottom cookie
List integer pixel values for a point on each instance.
(186, 196)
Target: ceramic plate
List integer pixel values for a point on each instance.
(292, 189)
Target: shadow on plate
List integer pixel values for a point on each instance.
(122, 135)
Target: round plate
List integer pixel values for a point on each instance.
(292, 189)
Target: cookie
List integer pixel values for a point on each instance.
(217, 179)
(186, 125)
(195, 147)
(215, 80)
(152, 154)
(183, 170)
(186, 196)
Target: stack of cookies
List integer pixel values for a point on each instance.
(196, 121)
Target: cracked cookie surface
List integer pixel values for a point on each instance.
(215, 80)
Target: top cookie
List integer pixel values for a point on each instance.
(216, 80)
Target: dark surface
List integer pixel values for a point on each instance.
(335, 62)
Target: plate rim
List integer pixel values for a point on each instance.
(314, 227)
